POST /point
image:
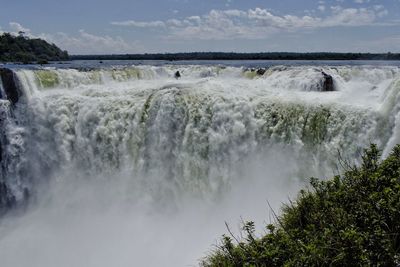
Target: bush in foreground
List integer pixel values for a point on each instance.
(351, 220)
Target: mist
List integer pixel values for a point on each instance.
(115, 221)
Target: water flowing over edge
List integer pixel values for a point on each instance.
(192, 132)
(128, 165)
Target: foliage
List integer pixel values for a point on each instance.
(23, 49)
(351, 220)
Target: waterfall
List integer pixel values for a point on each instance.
(123, 166)
(193, 133)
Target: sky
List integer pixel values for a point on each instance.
(158, 26)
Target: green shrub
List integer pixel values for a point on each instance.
(350, 220)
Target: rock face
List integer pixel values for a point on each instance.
(327, 84)
(11, 93)
(1, 152)
(261, 72)
(10, 85)
(7, 201)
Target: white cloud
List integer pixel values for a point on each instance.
(16, 28)
(87, 43)
(350, 17)
(82, 42)
(380, 10)
(257, 23)
(361, 1)
(139, 24)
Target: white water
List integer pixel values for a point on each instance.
(131, 167)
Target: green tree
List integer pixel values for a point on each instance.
(350, 220)
(23, 49)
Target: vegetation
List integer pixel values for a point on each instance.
(26, 50)
(243, 56)
(351, 220)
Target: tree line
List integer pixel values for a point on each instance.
(243, 56)
(26, 50)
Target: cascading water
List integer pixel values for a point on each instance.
(136, 137)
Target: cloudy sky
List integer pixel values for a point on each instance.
(147, 26)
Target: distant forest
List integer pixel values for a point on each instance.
(26, 50)
(23, 49)
(243, 56)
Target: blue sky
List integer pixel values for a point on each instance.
(147, 26)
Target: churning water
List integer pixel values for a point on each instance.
(128, 166)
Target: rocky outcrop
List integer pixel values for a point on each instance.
(252, 72)
(10, 95)
(261, 72)
(10, 85)
(327, 83)
(7, 200)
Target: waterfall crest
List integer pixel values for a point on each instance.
(191, 134)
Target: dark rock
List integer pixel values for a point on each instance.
(1, 145)
(261, 72)
(10, 85)
(177, 75)
(327, 83)
(7, 201)
(3, 196)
